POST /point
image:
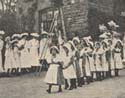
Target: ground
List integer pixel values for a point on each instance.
(31, 86)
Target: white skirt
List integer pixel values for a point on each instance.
(92, 66)
(7, 63)
(34, 59)
(87, 68)
(25, 59)
(81, 67)
(70, 72)
(118, 61)
(54, 75)
(99, 67)
(1, 66)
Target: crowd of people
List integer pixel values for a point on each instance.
(81, 61)
(73, 63)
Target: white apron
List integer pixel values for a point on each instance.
(24, 57)
(91, 62)
(34, 57)
(104, 62)
(111, 61)
(1, 47)
(16, 58)
(69, 72)
(7, 63)
(98, 62)
(54, 74)
(118, 59)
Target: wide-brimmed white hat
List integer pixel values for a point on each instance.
(24, 34)
(14, 41)
(44, 33)
(113, 24)
(35, 34)
(102, 27)
(2, 32)
(54, 47)
(16, 36)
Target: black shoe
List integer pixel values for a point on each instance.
(66, 87)
(71, 88)
(48, 91)
(59, 91)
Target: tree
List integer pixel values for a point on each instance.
(8, 21)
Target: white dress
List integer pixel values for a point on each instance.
(98, 62)
(1, 63)
(69, 72)
(7, 63)
(15, 61)
(81, 63)
(54, 74)
(118, 59)
(34, 57)
(111, 59)
(87, 62)
(104, 62)
(91, 60)
(17, 57)
(24, 57)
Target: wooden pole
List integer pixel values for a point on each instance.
(63, 24)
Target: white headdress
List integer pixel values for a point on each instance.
(35, 34)
(24, 34)
(2, 32)
(16, 36)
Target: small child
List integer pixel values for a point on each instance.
(54, 74)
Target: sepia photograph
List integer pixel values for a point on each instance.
(62, 48)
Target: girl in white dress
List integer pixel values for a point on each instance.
(118, 57)
(69, 68)
(15, 60)
(98, 60)
(24, 52)
(7, 64)
(54, 75)
(1, 48)
(104, 59)
(16, 53)
(111, 58)
(34, 55)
